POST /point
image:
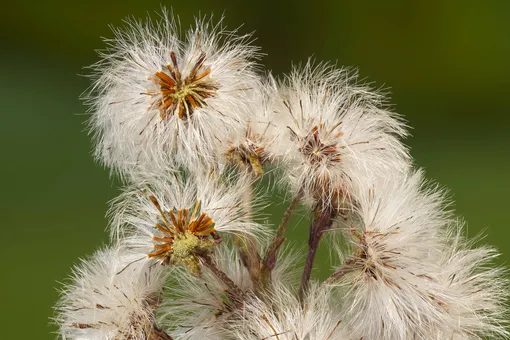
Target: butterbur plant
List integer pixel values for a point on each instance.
(195, 129)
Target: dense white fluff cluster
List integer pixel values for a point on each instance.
(401, 271)
(205, 307)
(156, 97)
(282, 316)
(148, 215)
(109, 297)
(202, 307)
(334, 131)
(474, 293)
(192, 128)
(253, 148)
(395, 249)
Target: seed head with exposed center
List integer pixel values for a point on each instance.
(180, 95)
(186, 237)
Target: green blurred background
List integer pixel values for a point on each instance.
(447, 64)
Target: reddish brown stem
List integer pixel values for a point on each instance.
(341, 272)
(318, 225)
(233, 289)
(158, 334)
(270, 258)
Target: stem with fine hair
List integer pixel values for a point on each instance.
(342, 271)
(159, 334)
(247, 247)
(270, 258)
(233, 289)
(247, 244)
(318, 225)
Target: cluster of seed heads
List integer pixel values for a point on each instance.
(199, 135)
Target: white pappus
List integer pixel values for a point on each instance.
(474, 292)
(157, 98)
(283, 316)
(396, 239)
(111, 297)
(334, 130)
(174, 218)
(192, 127)
(252, 149)
(201, 307)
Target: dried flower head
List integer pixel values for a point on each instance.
(111, 297)
(396, 244)
(177, 219)
(251, 148)
(185, 236)
(157, 98)
(282, 316)
(179, 95)
(472, 291)
(249, 153)
(336, 131)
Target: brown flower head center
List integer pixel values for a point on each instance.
(179, 95)
(185, 236)
(249, 154)
(316, 148)
(372, 255)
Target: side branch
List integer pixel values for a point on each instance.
(318, 225)
(159, 334)
(270, 258)
(247, 244)
(233, 289)
(247, 248)
(342, 271)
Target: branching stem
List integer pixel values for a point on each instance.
(318, 225)
(247, 244)
(233, 289)
(270, 258)
(159, 334)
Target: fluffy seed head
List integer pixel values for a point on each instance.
(396, 244)
(111, 296)
(179, 95)
(334, 131)
(473, 291)
(252, 149)
(175, 219)
(201, 307)
(157, 97)
(186, 236)
(282, 316)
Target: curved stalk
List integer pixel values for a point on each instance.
(269, 261)
(318, 225)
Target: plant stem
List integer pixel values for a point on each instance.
(270, 259)
(233, 289)
(318, 225)
(247, 245)
(340, 272)
(159, 334)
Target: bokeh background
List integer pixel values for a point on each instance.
(446, 63)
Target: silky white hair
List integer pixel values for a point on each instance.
(109, 297)
(193, 128)
(127, 129)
